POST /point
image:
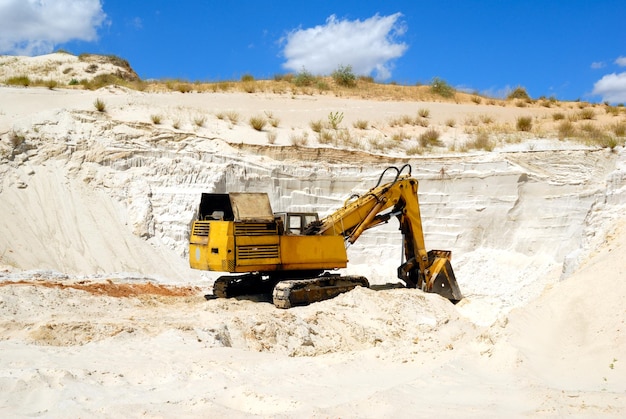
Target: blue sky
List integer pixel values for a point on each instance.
(570, 49)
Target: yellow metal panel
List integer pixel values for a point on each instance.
(312, 252)
(198, 257)
(221, 247)
(259, 251)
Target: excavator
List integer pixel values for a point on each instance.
(292, 255)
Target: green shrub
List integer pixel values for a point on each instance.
(18, 81)
(524, 123)
(334, 119)
(519, 93)
(442, 88)
(344, 76)
(322, 85)
(247, 77)
(304, 78)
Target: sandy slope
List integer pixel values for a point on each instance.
(100, 316)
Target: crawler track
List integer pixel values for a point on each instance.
(299, 292)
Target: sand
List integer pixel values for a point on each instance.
(101, 316)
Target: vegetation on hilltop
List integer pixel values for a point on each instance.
(415, 134)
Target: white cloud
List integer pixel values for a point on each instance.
(31, 27)
(368, 46)
(611, 87)
(597, 65)
(621, 61)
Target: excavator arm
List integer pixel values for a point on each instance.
(430, 271)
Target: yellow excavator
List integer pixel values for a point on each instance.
(292, 254)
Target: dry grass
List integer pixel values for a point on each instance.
(299, 140)
(317, 126)
(430, 138)
(100, 105)
(524, 123)
(199, 120)
(257, 122)
(481, 141)
(600, 124)
(361, 124)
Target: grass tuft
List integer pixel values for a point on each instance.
(100, 105)
(199, 120)
(587, 114)
(430, 138)
(317, 126)
(566, 129)
(524, 123)
(257, 122)
(361, 124)
(423, 113)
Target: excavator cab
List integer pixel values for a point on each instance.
(296, 222)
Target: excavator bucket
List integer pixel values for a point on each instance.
(443, 282)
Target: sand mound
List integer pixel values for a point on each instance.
(63, 67)
(357, 320)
